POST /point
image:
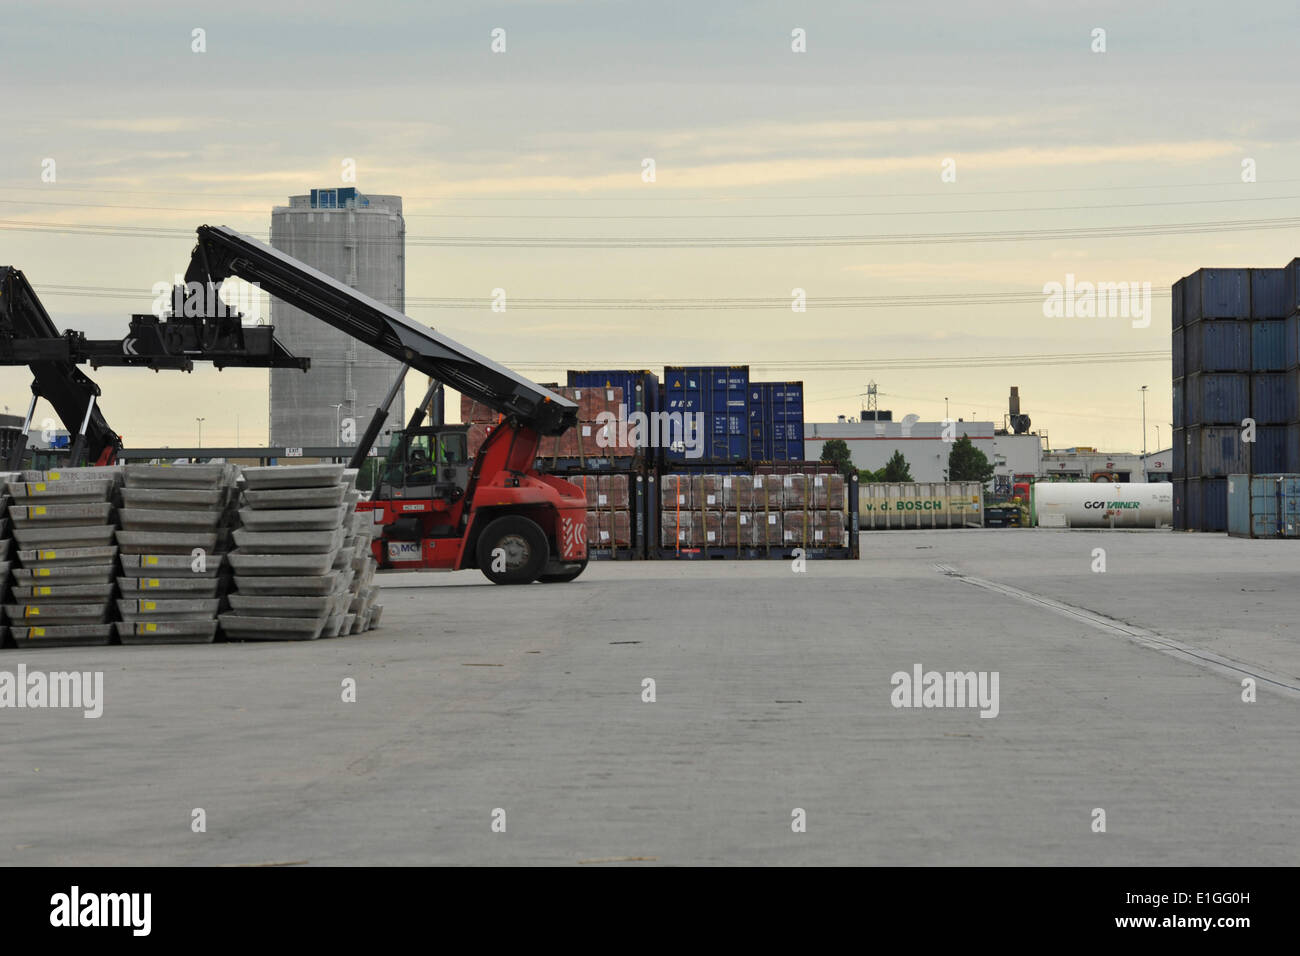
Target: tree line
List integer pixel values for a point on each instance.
(965, 463)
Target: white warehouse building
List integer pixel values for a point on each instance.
(871, 444)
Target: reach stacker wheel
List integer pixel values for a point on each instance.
(512, 550)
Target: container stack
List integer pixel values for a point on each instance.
(63, 527)
(758, 515)
(176, 524)
(302, 563)
(1236, 407)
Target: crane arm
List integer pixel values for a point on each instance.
(222, 252)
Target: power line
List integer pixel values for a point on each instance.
(688, 216)
(659, 190)
(912, 363)
(715, 242)
(649, 304)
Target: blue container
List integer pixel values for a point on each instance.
(1180, 503)
(1176, 342)
(1292, 448)
(1292, 287)
(776, 421)
(1218, 346)
(721, 394)
(1273, 398)
(1216, 451)
(1269, 453)
(1180, 403)
(1292, 323)
(640, 389)
(1268, 294)
(1268, 345)
(1207, 504)
(1180, 453)
(1239, 523)
(1265, 506)
(1216, 294)
(1216, 398)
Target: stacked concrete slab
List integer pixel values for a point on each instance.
(176, 523)
(363, 606)
(301, 568)
(6, 546)
(63, 526)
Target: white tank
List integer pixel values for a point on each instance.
(1101, 504)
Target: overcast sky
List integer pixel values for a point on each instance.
(750, 140)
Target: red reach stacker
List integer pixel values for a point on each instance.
(436, 510)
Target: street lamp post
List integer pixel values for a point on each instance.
(1144, 433)
(200, 421)
(338, 422)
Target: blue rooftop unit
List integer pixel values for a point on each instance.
(338, 198)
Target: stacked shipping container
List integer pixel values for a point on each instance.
(1236, 368)
(734, 505)
(1264, 506)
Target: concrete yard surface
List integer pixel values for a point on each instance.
(773, 703)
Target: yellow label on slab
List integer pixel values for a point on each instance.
(150, 560)
(52, 475)
(38, 510)
(151, 583)
(35, 632)
(39, 487)
(46, 555)
(42, 572)
(151, 626)
(150, 605)
(43, 592)
(31, 611)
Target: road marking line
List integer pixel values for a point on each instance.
(1226, 666)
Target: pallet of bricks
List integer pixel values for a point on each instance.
(1236, 385)
(751, 516)
(596, 442)
(615, 514)
(302, 562)
(63, 525)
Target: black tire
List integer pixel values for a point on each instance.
(525, 546)
(563, 577)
